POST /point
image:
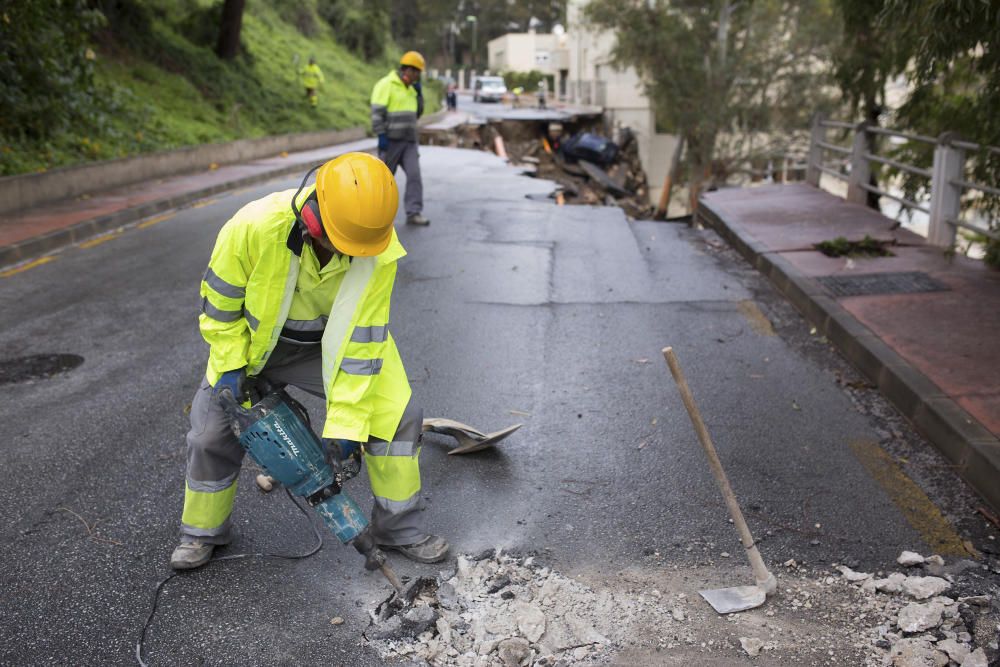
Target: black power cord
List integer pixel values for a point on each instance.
(159, 586)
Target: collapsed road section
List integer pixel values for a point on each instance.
(593, 164)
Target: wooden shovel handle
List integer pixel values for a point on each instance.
(760, 573)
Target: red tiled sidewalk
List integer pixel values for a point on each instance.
(39, 230)
(936, 355)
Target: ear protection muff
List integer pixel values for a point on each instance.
(308, 215)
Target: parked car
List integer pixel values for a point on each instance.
(488, 89)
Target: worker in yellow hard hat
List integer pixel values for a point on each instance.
(312, 78)
(397, 102)
(297, 292)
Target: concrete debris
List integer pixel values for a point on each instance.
(935, 560)
(752, 645)
(910, 558)
(921, 588)
(530, 621)
(514, 651)
(916, 617)
(851, 575)
(534, 616)
(494, 609)
(916, 652)
(891, 584)
(975, 659)
(956, 651)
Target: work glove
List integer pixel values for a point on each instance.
(235, 381)
(383, 142)
(420, 98)
(343, 454)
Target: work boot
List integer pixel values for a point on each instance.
(431, 549)
(417, 219)
(189, 555)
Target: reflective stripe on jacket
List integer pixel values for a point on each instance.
(311, 76)
(394, 108)
(246, 295)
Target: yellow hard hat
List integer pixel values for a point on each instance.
(357, 198)
(413, 59)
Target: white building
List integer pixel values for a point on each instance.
(592, 79)
(527, 51)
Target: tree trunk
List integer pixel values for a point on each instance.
(229, 29)
(872, 113)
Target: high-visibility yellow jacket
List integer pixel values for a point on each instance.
(247, 292)
(394, 108)
(311, 76)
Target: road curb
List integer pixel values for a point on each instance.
(972, 449)
(46, 243)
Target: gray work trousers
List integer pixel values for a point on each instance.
(214, 455)
(405, 153)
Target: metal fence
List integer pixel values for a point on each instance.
(946, 180)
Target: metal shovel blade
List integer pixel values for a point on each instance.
(469, 439)
(489, 440)
(737, 598)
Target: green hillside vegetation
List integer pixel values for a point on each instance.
(138, 76)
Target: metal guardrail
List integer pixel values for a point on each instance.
(947, 183)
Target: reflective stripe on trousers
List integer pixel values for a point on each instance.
(394, 473)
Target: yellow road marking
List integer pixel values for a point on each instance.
(100, 239)
(24, 267)
(204, 202)
(758, 320)
(153, 221)
(918, 510)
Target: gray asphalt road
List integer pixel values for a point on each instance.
(506, 310)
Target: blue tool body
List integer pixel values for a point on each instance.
(281, 442)
(290, 453)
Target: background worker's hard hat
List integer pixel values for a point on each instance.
(357, 200)
(413, 59)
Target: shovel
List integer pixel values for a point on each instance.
(738, 598)
(469, 439)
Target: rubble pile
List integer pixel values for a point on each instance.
(925, 622)
(544, 149)
(499, 610)
(620, 181)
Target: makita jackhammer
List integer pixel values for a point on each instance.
(275, 433)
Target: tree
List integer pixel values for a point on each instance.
(736, 79)
(229, 29)
(949, 53)
(46, 67)
(438, 28)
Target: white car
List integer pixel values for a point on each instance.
(488, 89)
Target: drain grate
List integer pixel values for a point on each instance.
(905, 282)
(36, 367)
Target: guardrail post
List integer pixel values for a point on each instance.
(861, 169)
(817, 134)
(946, 197)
